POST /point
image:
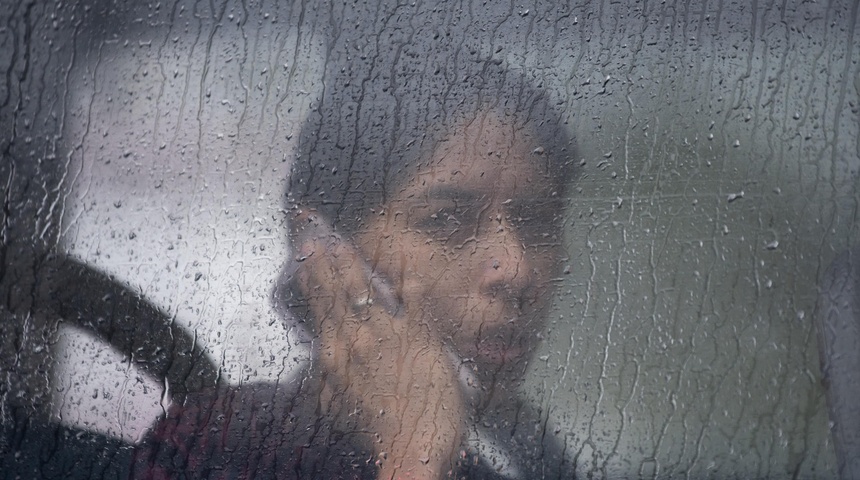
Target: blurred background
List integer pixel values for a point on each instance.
(719, 154)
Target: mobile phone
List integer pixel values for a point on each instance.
(311, 225)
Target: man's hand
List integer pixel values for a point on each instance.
(387, 367)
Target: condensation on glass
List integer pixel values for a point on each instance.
(287, 239)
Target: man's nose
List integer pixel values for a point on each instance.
(507, 268)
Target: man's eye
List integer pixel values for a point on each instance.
(534, 222)
(450, 225)
(440, 221)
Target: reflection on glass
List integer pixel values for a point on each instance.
(321, 239)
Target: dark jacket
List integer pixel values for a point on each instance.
(270, 432)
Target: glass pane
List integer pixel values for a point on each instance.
(278, 239)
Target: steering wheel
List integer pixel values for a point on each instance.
(32, 444)
(131, 325)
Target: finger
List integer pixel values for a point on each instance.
(312, 230)
(351, 306)
(400, 374)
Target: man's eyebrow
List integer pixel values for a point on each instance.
(446, 192)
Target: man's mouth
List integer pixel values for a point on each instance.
(496, 351)
(509, 344)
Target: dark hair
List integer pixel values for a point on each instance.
(353, 153)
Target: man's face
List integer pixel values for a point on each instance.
(472, 244)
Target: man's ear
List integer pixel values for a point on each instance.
(309, 224)
(288, 293)
(290, 290)
(310, 231)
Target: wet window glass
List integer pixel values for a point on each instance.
(387, 239)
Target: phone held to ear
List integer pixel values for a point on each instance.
(312, 226)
